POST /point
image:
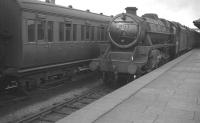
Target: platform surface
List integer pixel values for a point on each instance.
(169, 94)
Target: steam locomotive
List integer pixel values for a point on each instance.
(40, 42)
(140, 45)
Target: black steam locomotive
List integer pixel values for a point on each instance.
(141, 44)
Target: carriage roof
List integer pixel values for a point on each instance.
(36, 6)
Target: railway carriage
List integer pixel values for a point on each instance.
(46, 41)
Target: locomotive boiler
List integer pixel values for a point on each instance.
(126, 30)
(139, 45)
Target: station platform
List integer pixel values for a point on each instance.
(169, 94)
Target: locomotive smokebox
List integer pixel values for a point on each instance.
(125, 30)
(131, 10)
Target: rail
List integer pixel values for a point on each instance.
(58, 111)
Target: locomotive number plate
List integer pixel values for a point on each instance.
(123, 26)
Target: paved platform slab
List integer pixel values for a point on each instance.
(169, 94)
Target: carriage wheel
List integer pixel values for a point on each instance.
(3, 85)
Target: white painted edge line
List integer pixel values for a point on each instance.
(95, 110)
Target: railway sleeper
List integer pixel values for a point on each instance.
(46, 119)
(71, 107)
(91, 97)
(60, 112)
(53, 116)
(84, 101)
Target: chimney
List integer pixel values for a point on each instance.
(50, 1)
(131, 10)
(70, 6)
(53, 1)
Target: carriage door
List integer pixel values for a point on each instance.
(4, 38)
(42, 44)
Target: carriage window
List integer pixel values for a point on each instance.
(87, 32)
(67, 32)
(106, 35)
(82, 32)
(31, 30)
(74, 31)
(40, 30)
(61, 31)
(50, 31)
(102, 33)
(98, 33)
(92, 33)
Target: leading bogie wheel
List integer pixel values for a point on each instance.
(109, 79)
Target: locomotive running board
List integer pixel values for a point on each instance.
(141, 52)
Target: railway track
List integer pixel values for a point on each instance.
(68, 106)
(12, 96)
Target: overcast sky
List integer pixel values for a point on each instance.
(183, 11)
